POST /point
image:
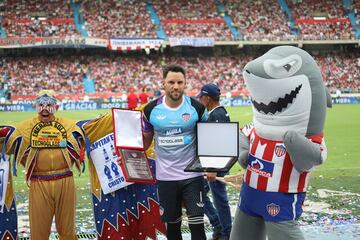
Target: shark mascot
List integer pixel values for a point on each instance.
(282, 145)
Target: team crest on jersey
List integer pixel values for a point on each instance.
(280, 150)
(186, 117)
(273, 209)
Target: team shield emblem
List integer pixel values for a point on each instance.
(280, 150)
(273, 209)
(185, 117)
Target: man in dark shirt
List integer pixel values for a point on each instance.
(220, 216)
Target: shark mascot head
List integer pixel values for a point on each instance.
(287, 92)
(283, 145)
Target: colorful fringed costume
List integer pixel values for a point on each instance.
(48, 172)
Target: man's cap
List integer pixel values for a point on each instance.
(210, 89)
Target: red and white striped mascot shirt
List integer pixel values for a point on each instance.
(270, 168)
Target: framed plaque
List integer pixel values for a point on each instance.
(136, 165)
(130, 146)
(217, 147)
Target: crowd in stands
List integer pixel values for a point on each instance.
(326, 31)
(259, 20)
(218, 31)
(37, 28)
(181, 19)
(111, 18)
(356, 6)
(27, 75)
(41, 18)
(256, 20)
(52, 9)
(340, 71)
(327, 9)
(306, 9)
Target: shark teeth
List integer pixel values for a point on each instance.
(278, 106)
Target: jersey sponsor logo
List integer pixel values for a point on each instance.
(186, 117)
(280, 150)
(260, 166)
(173, 131)
(273, 209)
(171, 141)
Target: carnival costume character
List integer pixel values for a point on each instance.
(283, 145)
(47, 146)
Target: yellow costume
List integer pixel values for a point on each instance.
(48, 174)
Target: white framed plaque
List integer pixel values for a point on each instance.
(217, 147)
(130, 145)
(128, 128)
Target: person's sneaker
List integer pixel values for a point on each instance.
(216, 233)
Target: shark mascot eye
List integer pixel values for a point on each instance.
(282, 145)
(282, 68)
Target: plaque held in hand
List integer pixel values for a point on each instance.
(217, 147)
(130, 146)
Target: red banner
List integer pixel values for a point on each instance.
(319, 21)
(185, 21)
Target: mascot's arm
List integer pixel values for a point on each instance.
(244, 146)
(304, 154)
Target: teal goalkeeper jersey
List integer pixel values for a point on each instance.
(174, 135)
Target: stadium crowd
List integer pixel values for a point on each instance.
(14, 9)
(256, 20)
(259, 20)
(332, 11)
(192, 19)
(356, 6)
(340, 71)
(37, 28)
(306, 9)
(38, 18)
(27, 75)
(111, 18)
